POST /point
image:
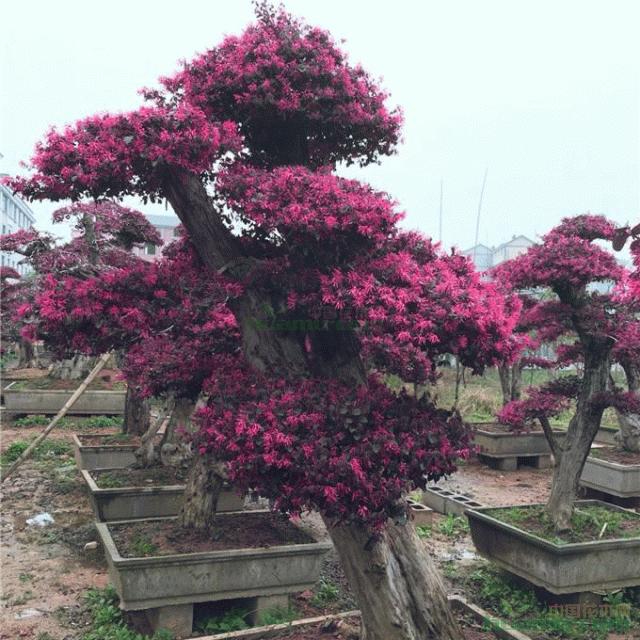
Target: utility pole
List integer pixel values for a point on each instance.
(440, 219)
(475, 245)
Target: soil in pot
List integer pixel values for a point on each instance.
(234, 531)
(109, 439)
(613, 454)
(588, 523)
(495, 427)
(130, 477)
(105, 381)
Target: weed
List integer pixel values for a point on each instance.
(32, 421)
(110, 480)
(102, 422)
(23, 598)
(327, 592)
(232, 620)
(278, 615)
(25, 577)
(453, 526)
(424, 531)
(107, 619)
(141, 546)
(46, 450)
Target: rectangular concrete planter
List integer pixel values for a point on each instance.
(42, 401)
(510, 444)
(602, 565)
(614, 478)
(129, 503)
(448, 502)
(187, 578)
(102, 456)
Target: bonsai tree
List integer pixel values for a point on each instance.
(591, 313)
(324, 288)
(104, 234)
(167, 318)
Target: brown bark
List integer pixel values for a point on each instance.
(572, 454)
(137, 418)
(409, 584)
(148, 453)
(629, 435)
(27, 358)
(510, 381)
(75, 368)
(174, 452)
(395, 583)
(201, 494)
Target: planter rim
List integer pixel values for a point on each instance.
(107, 491)
(198, 557)
(63, 391)
(99, 447)
(512, 434)
(563, 549)
(618, 466)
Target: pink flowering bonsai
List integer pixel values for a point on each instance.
(326, 292)
(592, 321)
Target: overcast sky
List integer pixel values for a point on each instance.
(545, 94)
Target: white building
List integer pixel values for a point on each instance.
(487, 257)
(166, 226)
(15, 215)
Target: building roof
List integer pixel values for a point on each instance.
(510, 242)
(162, 220)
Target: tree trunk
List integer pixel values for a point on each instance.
(411, 586)
(395, 583)
(510, 381)
(204, 483)
(137, 418)
(516, 380)
(573, 451)
(26, 355)
(148, 453)
(503, 372)
(76, 368)
(173, 451)
(629, 435)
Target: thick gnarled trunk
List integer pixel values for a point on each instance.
(395, 583)
(571, 454)
(629, 435)
(77, 367)
(411, 587)
(510, 381)
(137, 417)
(27, 358)
(173, 451)
(201, 494)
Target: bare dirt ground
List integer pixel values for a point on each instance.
(44, 570)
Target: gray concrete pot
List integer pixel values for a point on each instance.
(602, 565)
(41, 401)
(102, 456)
(187, 578)
(614, 478)
(509, 444)
(129, 503)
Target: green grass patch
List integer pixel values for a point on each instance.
(108, 621)
(502, 597)
(326, 593)
(453, 526)
(235, 619)
(588, 523)
(45, 451)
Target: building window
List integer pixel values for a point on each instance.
(150, 249)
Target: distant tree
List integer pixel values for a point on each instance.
(594, 313)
